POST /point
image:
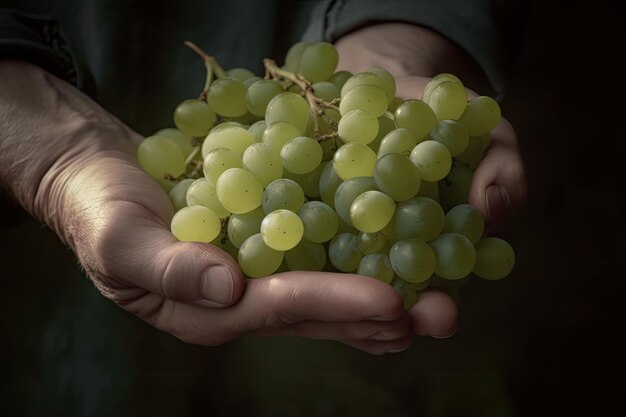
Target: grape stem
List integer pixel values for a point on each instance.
(212, 67)
(317, 104)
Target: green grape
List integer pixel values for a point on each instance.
(371, 211)
(385, 126)
(347, 192)
(178, 194)
(259, 94)
(202, 193)
(370, 98)
(183, 140)
(289, 108)
(344, 253)
(397, 141)
(473, 154)
(159, 156)
(242, 226)
(376, 265)
(358, 126)
(417, 117)
(466, 220)
(282, 193)
(429, 189)
(371, 242)
(239, 191)
(277, 134)
(263, 162)
(406, 291)
(310, 181)
(282, 229)
(232, 137)
(455, 255)
(196, 224)
(227, 97)
(354, 160)
(326, 90)
(339, 78)
(329, 182)
(318, 62)
(362, 78)
(301, 155)
(454, 189)
(419, 218)
(438, 79)
(448, 100)
(432, 159)
(249, 81)
(292, 59)
(241, 74)
(306, 256)
(320, 221)
(219, 160)
(257, 129)
(397, 176)
(481, 115)
(389, 82)
(412, 260)
(452, 134)
(495, 258)
(194, 117)
(256, 259)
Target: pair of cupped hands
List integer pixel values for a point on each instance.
(72, 165)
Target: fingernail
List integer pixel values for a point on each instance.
(396, 350)
(443, 337)
(496, 201)
(217, 284)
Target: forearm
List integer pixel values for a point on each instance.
(46, 126)
(407, 49)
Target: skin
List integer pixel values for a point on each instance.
(72, 166)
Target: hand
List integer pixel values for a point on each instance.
(78, 174)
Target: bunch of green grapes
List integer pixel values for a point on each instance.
(315, 169)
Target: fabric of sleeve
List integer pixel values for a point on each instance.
(470, 24)
(37, 40)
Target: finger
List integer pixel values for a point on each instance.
(364, 330)
(381, 347)
(282, 300)
(499, 182)
(126, 243)
(435, 315)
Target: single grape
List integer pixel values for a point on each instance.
(256, 259)
(466, 220)
(397, 176)
(354, 160)
(282, 193)
(397, 141)
(371, 211)
(227, 97)
(416, 116)
(432, 159)
(376, 265)
(344, 253)
(452, 134)
(290, 108)
(412, 260)
(481, 115)
(320, 221)
(301, 155)
(160, 156)
(202, 193)
(420, 218)
(195, 224)
(239, 191)
(371, 242)
(358, 126)
(236, 138)
(448, 100)
(282, 229)
(455, 255)
(217, 161)
(326, 90)
(495, 258)
(178, 194)
(318, 62)
(242, 226)
(194, 117)
(263, 162)
(183, 140)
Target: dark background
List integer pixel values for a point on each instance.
(544, 341)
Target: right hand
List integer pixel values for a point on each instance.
(73, 166)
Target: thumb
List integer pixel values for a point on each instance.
(499, 182)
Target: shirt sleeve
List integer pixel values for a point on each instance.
(470, 24)
(39, 41)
